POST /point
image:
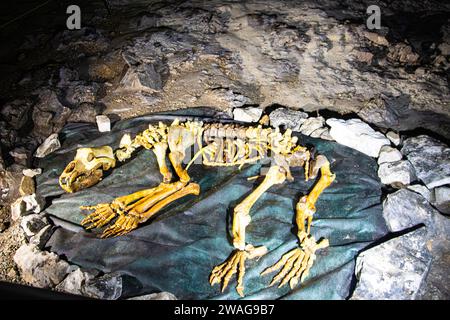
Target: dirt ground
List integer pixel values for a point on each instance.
(11, 239)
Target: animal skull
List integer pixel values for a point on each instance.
(87, 168)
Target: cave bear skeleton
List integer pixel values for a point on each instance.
(221, 145)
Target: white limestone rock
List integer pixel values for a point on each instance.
(32, 172)
(18, 209)
(312, 124)
(50, 145)
(103, 123)
(430, 159)
(394, 137)
(389, 154)
(358, 135)
(248, 114)
(397, 174)
(33, 203)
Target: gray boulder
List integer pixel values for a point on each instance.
(422, 190)
(442, 199)
(49, 115)
(430, 159)
(75, 282)
(40, 268)
(287, 118)
(398, 173)
(405, 209)
(33, 223)
(86, 283)
(107, 287)
(42, 236)
(393, 270)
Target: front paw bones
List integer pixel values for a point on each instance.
(296, 263)
(235, 264)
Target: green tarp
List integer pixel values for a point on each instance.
(177, 250)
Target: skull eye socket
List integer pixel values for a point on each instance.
(90, 157)
(70, 167)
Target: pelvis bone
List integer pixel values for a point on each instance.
(87, 168)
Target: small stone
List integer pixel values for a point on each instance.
(156, 296)
(430, 159)
(319, 132)
(33, 203)
(404, 209)
(41, 237)
(20, 155)
(393, 137)
(326, 135)
(442, 199)
(50, 145)
(248, 114)
(33, 223)
(358, 135)
(422, 190)
(18, 209)
(75, 282)
(312, 124)
(393, 270)
(396, 174)
(32, 172)
(12, 273)
(40, 268)
(389, 154)
(103, 123)
(289, 119)
(27, 186)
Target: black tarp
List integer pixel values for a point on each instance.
(177, 250)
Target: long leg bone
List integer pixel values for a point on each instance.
(296, 263)
(130, 222)
(138, 201)
(241, 218)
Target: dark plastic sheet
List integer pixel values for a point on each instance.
(177, 250)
